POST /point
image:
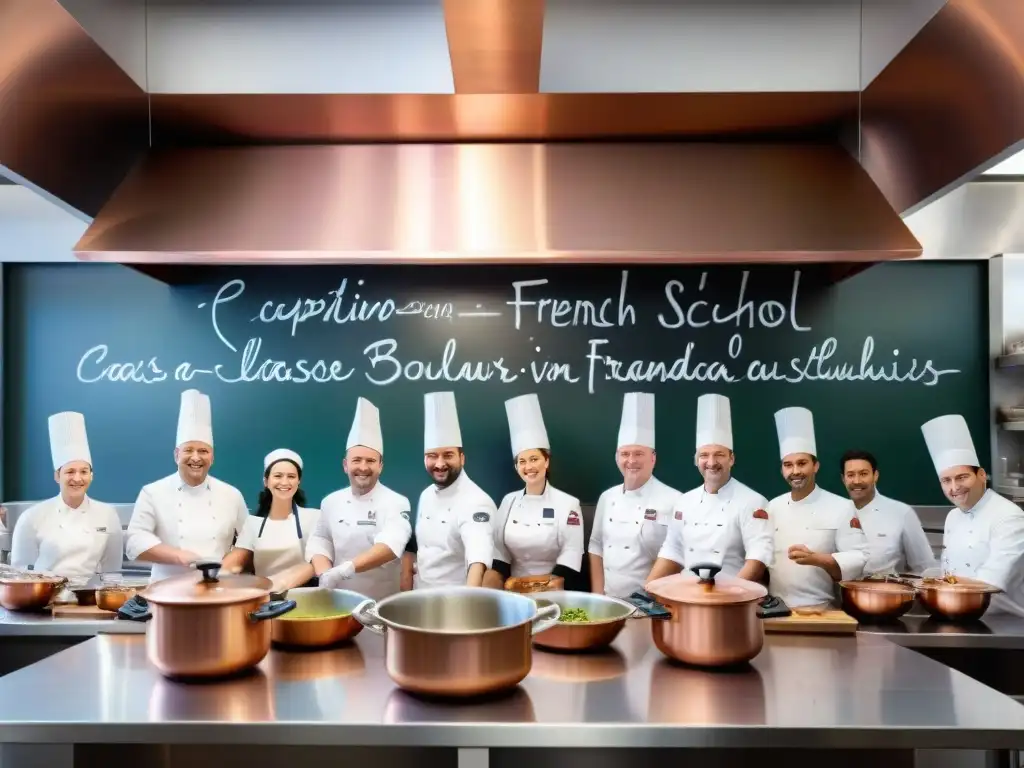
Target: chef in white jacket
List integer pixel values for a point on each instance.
(187, 516)
(273, 542)
(818, 537)
(454, 541)
(897, 542)
(984, 532)
(721, 522)
(631, 519)
(363, 529)
(539, 529)
(71, 534)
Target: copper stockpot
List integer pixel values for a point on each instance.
(877, 599)
(608, 617)
(204, 626)
(961, 600)
(322, 617)
(457, 641)
(714, 618)
(28, 591)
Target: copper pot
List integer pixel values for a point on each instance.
(204, 626)
(876, 600)
(111, 598)
(322, 617)
(607, 618)
(954, 598)
(457, 641)
(29, 591)
(714, 619)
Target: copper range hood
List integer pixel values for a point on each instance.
(498, 203)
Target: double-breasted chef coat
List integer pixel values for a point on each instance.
(350, 524)
(53, 537)
(725, 528)
(629, 530)
(202, 519)
(987, 543)
(278, 544)
(897, 542)
(534, 533)
(454, 529)
(825, 523)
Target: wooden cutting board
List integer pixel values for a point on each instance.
(828, 622)
(88, 612)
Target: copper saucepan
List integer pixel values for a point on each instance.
(322, 617)
(954, 598)
(27, 591)
(883, 599)
(600, 622)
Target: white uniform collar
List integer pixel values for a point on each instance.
(724, 492)
(452, 489)
(982, 502)
(63, 505)
(183, 486)
(366, 496)
(544, 496)
(812, 497)
(642, 490)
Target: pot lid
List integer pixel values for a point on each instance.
(207, 587)
(705, 586)
(891, 586)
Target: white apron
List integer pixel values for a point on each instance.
(278, 545)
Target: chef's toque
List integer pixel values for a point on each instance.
(637, 424)
(68, 440)
(365, 429)
(281, 454)
(714, 421)
(195, 420)
(526, 424)
(949, 442)
(440, 421)
(795, 427)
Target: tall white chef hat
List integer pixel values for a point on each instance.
(440, 421)
(714, 421)
(195, 419)
(526, 424)
(281, 454)
(795, 427)
(949, 442)
(68, 440)
(366, 427)
(637, 424)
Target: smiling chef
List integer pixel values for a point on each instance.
(983, 538)
(188, 516)
(453, 543)
(70, 535)
(363, 529)
(631, 519)
(539, 530)
(818, 537)
(722, 521)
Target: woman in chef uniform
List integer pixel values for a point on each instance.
(538, 531)
(71, 534)
(273, 541)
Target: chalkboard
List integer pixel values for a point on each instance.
(284, 351)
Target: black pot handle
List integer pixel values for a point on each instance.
(712, 569)
(210, 570)
(272, 610)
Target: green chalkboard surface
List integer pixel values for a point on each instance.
(284, 352)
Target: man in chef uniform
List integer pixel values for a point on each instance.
(631, 519)
(818, 537)
(187, 516)
(722, 521)
(71, 535)
(896, 541)
(983, 538)
(453, 543)
(363, 529)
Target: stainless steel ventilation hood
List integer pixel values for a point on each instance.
(498, 203)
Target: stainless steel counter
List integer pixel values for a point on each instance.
(801, 691)
(22, 624)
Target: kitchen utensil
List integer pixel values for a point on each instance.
(208, 626)
(28, 591)
(770, 607)
(322, 617)
(457, 641)
(81, 612)
(607, 618)
(112, 597)
(952, 598)
(714, 617)
(648, 606)
(877, 599)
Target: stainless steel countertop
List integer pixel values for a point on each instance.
(43, 625)
(801, 691)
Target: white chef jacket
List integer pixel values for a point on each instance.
(725, 528)
(53, 537)
(823, 522)
(279, 546)
(629, 530)
(454, 529)
(987, 543)
(204, 519)
(534, 533)
(350, 524)
(896, 540)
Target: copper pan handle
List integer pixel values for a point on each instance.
(545, 618)
(366, 614)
